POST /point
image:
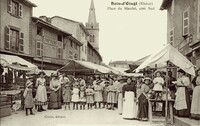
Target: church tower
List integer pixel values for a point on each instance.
(93, 27)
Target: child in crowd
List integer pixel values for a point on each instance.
(82, 97)
(98, 94)
(105, 95)
(67, 95)
(28, 97)
(111, 94)
(158, 85)
(89, 96)
(75, 96)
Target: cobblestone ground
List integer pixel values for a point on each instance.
(63, 117)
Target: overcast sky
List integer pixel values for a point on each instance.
(124, 35)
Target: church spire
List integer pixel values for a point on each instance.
(93, 27)
(92, 15)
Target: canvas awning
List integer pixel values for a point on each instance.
(84, 67)
(171, 54)
(16, 62)
(121, 72)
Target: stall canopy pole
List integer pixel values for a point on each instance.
(166, 102)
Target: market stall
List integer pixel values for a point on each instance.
(162, 60)
(13, 77)
(84, 67)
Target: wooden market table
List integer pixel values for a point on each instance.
(11, 94)
(170, 104)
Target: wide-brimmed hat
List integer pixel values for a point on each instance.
(147, 78)
(54, 75)
(28, 83)
(41, 72)
(181, 71)
(66, 85)
(157, 71)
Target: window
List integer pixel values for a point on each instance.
(71, 43)
(14, 39)
(91, 38)
(60, 38)
(59, 53)
(186, 22)
(171, 36)
(75, 45)
(39, 30)
(39, 48)
(15, 8)
(172, 7)
(83, 34)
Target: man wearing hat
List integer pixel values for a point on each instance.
(28, 97)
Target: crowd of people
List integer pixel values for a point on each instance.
(129, 95)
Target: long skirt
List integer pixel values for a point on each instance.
(41, 95)
(195, 107)
(105, 96)
(185, 112)
(98, 96)
(120, 103)
(142, 107)
(129, 106)
(55, 100)
(89, 99)
(111, 97)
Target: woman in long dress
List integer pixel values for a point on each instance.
(55, 96)
(41, 93)
(182, 100)
(143, 100)
(129, 96)
(120, 98)
(98, 97)
(111, 94)
(195, 107)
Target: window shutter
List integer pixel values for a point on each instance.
(21, 42)
(186, 23)
(9, 6)
(20, 10)
(7, 38)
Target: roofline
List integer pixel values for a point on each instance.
(80, 23)
(165, 4)
(95, 51)
(84, 28)
(65, 19)
(50, 25)
(74, 39)
(30, 3)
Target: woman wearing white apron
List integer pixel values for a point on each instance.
(182, 101)
(129, 96)
(120, 98)
(41, 94)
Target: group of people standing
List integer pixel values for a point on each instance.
(129, 94)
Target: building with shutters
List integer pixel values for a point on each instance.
(183, 27)
(51, 46)
(77, 29)
(15, 27)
